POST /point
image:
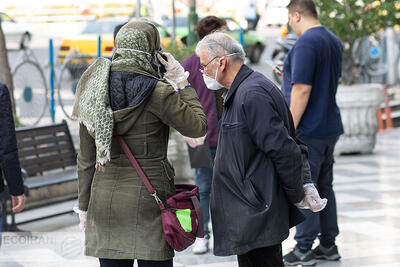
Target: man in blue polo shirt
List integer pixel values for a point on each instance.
(310, 79)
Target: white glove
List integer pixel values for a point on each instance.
(193, 142)
(82, 218)
(311, 199)
(175, 72)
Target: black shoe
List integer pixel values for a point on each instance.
(330, 254)
(296, 257)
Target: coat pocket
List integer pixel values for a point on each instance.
(168, 170)
(252, 196)
(232, 125)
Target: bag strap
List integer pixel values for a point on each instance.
(200, 219)
(140, 172)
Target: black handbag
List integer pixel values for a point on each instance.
(200, 156)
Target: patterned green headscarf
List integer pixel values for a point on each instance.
(141, 36)
(92, 104)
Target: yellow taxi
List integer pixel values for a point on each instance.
(83, 48)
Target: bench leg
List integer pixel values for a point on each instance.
(4, 215)
(13, 226)
(6, 226)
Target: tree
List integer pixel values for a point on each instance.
(353, 21)
(5, 72)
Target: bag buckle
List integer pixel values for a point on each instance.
(158, 200)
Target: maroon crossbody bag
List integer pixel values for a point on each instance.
(186, 198)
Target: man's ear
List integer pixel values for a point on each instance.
(222, 63)
(297, 16)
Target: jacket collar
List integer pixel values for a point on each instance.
(243, 73)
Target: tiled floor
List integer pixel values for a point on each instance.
(368, 197)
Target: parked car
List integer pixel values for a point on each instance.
(276, 13)
(83, 47)
(16, 34)
(253, 44)
(181, 29)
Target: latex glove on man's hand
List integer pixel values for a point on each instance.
(82, 218)
(311, 199)
(175, 72)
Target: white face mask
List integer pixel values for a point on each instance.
(211, 83)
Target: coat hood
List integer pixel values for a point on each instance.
(128, 94)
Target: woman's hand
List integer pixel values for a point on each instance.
(175, 72)
(82, 218)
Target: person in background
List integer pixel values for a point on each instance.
(311, 75)
(9, 162)
(252, 16)
(211, 101)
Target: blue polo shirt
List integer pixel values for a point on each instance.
(316, 60)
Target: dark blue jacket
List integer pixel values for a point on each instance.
(9, 163)
(258, 170)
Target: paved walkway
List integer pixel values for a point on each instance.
(368, 196)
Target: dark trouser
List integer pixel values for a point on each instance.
(1, 222)
(265, 257)
(203, 179)
(129, 263)
(320, 156)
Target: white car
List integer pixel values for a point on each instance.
(16, 34)
(276, 13)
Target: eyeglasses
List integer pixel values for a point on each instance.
(202, 67)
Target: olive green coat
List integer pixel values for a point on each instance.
(123, 220)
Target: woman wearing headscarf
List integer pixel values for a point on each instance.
(130, 97)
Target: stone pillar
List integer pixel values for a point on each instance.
(358, 104)
(392, 52)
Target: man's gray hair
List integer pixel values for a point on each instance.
(220, 44)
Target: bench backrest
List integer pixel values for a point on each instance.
(45, 148)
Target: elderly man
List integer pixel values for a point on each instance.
(259, 171)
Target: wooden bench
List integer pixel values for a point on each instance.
(48, 161)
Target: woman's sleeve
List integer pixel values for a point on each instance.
(86, 166)
(182, 111)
